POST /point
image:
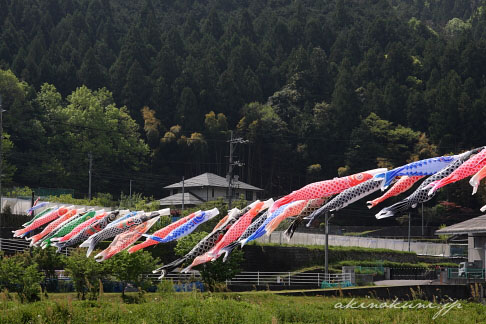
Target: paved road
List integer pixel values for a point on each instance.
(403, 282)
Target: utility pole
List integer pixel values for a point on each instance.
(422, 219)
(131, 193)
(131, 189)
(183, 187)
(326, 250)
(409, 227)
(90, 167)
(230, 171)
(1, 157)
(229, 177)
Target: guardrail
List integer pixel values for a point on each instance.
(265, 278)
(174, 276)
(468, 273)
(288, 278)
(413, 274)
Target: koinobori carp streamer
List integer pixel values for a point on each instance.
(186, 228)
(348, 197)
(163, 232)
(120, 227)
(92, 229)
(402, 185)
(468, 168)
(421, 194)
(125, 239)
(418, 168)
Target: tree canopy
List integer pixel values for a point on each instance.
(151, 88)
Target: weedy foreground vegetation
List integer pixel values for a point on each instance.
(195, 307)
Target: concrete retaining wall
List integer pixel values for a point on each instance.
(421, 248)
(425, 292)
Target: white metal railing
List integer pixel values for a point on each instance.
(288, 278)
(265, 278)
(20, 245)
(175, 276)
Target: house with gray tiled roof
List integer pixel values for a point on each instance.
(206, 187)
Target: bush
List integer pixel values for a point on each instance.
(212, 273)
(165, 287)
(138, 202)
(86, 274)
(128, 268)
(48, 261)
(18, 192)
(100, 199)
(20, 274)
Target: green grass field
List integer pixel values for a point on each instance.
(224, 308)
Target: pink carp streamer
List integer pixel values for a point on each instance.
(326, 188)
(232, 234)
(41, 221)
(235, 231)
(34, 239)
(163, 232)
(293, 210)
(124, 240)
(402, 185)
(476, 179)
(468, 168)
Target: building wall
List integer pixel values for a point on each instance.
(476, 247)
(207, 193)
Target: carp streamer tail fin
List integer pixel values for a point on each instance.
(289, 232)
(170, 266)
(228, 249)
(101, 256)
(389, 176)
(393, 210)
(60, 246)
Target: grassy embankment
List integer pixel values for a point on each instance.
(360, 256)
(252, 307)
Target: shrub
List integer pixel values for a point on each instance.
(165, 287)
(100, 199)
(128, 268)
(20, 274)
(138, 202)
(216, 272)
(85, 273)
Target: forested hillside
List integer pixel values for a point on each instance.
(151, 88)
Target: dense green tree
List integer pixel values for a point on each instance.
(83, 126)
(129, 267)
(345, 103)
(91, 72)
(213, 25)
(212, 273)
(86, 274)
(137, 88)
(378, 141)
(18, 273)
(318, 70)
(187, 110)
